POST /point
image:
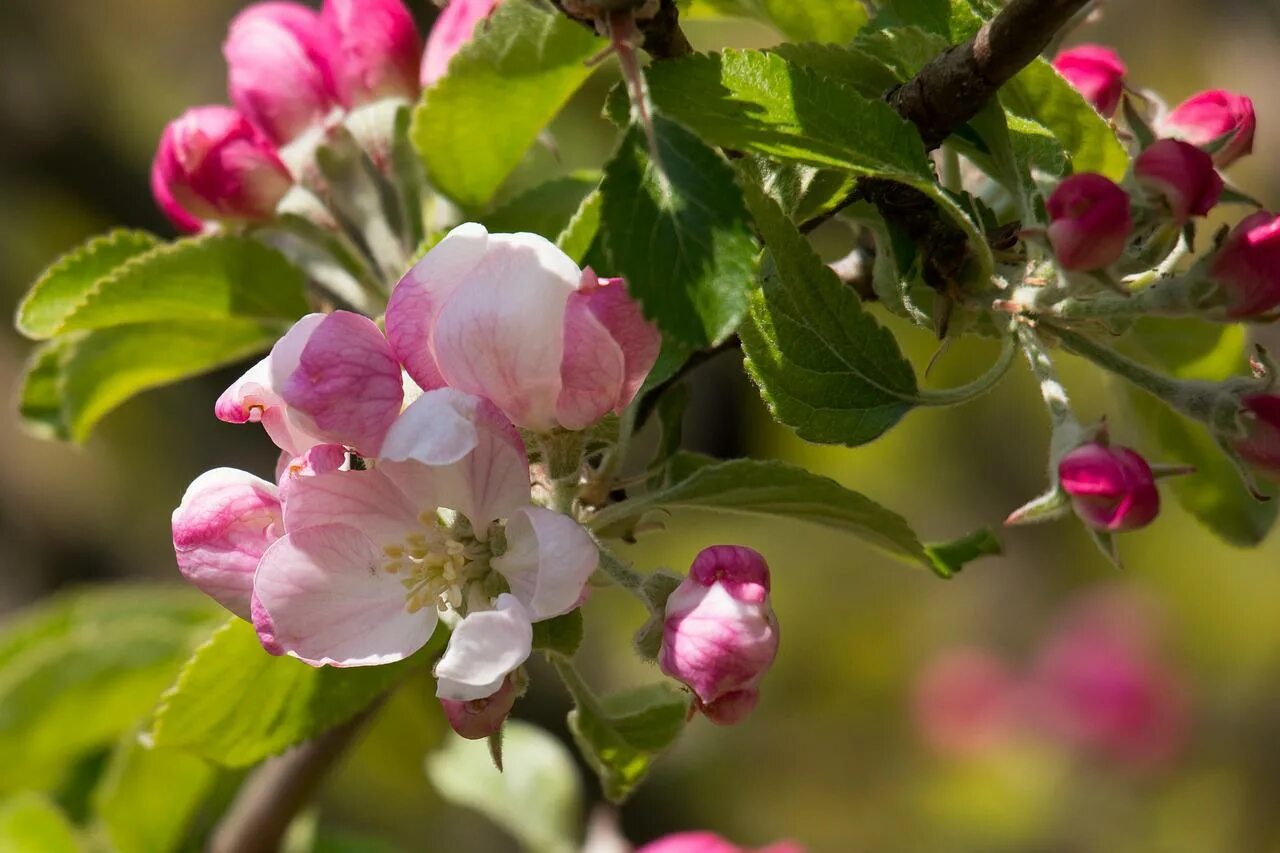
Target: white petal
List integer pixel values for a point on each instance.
(326, 599)
(548, 561)
(486, 646)
(367, 500)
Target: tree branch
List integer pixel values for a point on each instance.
(272, 797)
(955, 85)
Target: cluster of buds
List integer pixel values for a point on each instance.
(1097, 683)
(292, 75)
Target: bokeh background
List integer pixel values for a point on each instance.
(872, 733)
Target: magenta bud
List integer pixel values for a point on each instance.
(1089, 222)
(1096, 72)
(1247, 267)
(480, 718)
(279, 70)
(720, 634)
(1211, 115)
(1112, 489)
(213, 164)
(377, 49)
(1181, 174)
(1260, 446)
(452, 29)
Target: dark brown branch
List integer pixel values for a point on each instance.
(955, 85)
(272, 797)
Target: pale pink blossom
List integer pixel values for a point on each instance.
(373, 558)
(453, 28)
(225, 523)
(720, 634)
(279, 73)
(511, 318)
(376, 49)
(212, 164)
(709, 842)
(331, 379)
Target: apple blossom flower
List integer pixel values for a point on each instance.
(376, 49)
(1182, 175)
(1247, 267)
(212, 164)
(709, 842)
(440, 526)
(279, 68)
(967, 701)
(511, 318)
(1208, 116)
(453, 28)
(1096, 72)
(225, 522)
(1112, 489)
(1090, 221)
(720, 634)
(331, 379)
(481, 718)
(1260, 445)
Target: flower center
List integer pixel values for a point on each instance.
(437, 564)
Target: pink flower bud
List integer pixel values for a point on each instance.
(183, 221)
(720, 634)
(377, 49)
(1098, 684)
(709, 842)
(1247, 267)
(511, 318)
(1089, 222)
(1207, 116)
(453, 29)
(278, 68)
(966, 702)
(1260, 446)
(213, 164)
(1112, 488)
(221, 529)
(1182, 174)
(1096, 72)
(480, 718)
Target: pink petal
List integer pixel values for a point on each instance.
(639, 339)
(455, 450)
(225, 522)
(327, 599)
(367, 500)
(416, 300)
(321, 459)
(452, 29)
(500, 334)
(486, 646)
(346, 388)
(548, 561)
(592, 371)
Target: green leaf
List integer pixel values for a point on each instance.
(31, 823)
(1215, 494)
(234, 704)
(678, 230)
(64, 285)
(1040, 94)
(473, 127)
(219, 277)
(803, 192)
(147, 798)
(771, 489)
(580, 231)
(867, 74)
(536, 797)
(955, 20)
(73, 383)
(546, 209)
(77, 673)
(823, 365)
(758, 102)
(817, 20)
(622, 735)
(562, 635)
(951, 557)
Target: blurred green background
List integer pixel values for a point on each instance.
(833, 756)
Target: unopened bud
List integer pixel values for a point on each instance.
(1210, 116)
(1090, 221)
(1247, 267)
(1096, 72)
(1112, 489)
(1182, 175)
(481, 718)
